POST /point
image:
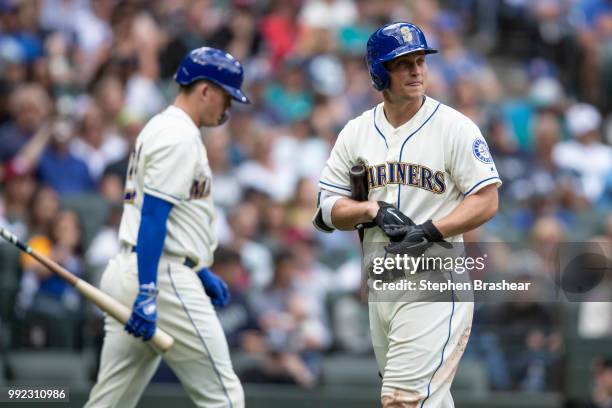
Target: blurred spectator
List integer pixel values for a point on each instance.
(594, 29)
(546, 235)
(228, 191)
(275, 231)
(530, 326)
(92, 28)
(585, 154)
(113, 178)
(546, 94)
(48, 306)
(302, 207)
(315, 280)
(281, 30)
(294, 334)
(541, 183)
(20, 36)
(239, 36)
(601, 392)
(142, 96)
(423, 13)
(105, 244)
(94, 146)
(359, 94)
(61, 15)
(244, 222)
(238, 318)
(288, 99)
(263, 173)
(301, 153)
(605, 201)
(350, 323)
(19, 186)
(43, 208)
(326, 75)
(553, 36)
(109, 97)
(53, 160)
(352, 38)
(328, 14)
(455, 59)
(29, 106)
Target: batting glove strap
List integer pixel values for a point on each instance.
(145, 305)
(148, 289)
(431, 232)
(144, 312)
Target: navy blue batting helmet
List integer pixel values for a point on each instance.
(216, 66)
(389, 42)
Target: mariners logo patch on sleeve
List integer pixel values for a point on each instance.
(481, 151)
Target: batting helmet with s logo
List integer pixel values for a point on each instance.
(389, 42)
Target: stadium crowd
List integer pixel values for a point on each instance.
(79, 78)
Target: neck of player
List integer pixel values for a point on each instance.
(182, 102)
(400, 110)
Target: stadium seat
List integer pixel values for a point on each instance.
(92, 211)
(350, 370)
(48, 367)
(2, 372)
(471, 378)
(9, 279)
(243, 361)
(581, 354)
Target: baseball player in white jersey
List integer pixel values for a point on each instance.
(426, 162)
(168, 238)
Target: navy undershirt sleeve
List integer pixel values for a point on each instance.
(151, 236)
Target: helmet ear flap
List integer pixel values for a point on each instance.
(380, 76)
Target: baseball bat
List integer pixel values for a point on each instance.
(359, 182)
(359, 189)
(161, 340)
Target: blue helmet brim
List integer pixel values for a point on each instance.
(408, 49)
(236, 94)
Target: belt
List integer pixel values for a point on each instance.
(188, 262)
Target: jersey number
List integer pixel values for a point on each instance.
(130, 191)
(199, 189)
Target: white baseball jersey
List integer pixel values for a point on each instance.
(425, 167)
(169, 161)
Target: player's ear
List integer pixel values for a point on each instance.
(204, 90)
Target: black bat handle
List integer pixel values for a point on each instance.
(12, 238)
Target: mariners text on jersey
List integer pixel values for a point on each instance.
(407, 174)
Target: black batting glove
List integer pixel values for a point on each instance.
(387, 216)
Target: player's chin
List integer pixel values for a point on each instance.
(214, 121)
(412, 96)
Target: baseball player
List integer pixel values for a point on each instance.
(426, 163)
(168, 238)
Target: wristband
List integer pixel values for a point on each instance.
(432, 233)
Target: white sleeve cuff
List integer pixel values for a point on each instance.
(328, 199)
